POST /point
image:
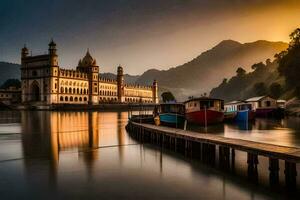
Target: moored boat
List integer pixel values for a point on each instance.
(245, 112)
(172, 114)
(264, 106)
(230, 111)
(204, 110)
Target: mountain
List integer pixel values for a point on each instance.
(130, 79)
(243, 86)
(9, 71)
(12, 71)
(205, 71)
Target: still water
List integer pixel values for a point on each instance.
(89, 155)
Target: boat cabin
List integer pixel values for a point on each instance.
(232, 106)
(262, 102)
(204, 103)
(177, 108)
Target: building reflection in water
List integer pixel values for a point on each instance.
(45, 135)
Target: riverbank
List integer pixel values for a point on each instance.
(80, 107)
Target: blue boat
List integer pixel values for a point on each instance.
(245, 112)
(172, 114)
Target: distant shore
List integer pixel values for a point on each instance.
(78, 107)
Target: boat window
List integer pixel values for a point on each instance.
(206, 104)
(245, 107)
(172, 109)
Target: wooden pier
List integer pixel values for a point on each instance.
(204, 147)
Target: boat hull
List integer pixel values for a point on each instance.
(245, 115)
(172, 120)
(211, 116)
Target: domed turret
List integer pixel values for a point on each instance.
(24, 51)
(120, 83)
(88, 60)
(52, 48)
(52, 43)
(120, 70)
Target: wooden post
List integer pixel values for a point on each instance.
(232, 160)
(185, 147)
(252, 160)
(212, 154)
(175, 143)
(290, 174)
(224, 157)
(274, 171)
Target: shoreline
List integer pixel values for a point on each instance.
(78, 107)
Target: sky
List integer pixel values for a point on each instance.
(139, 34)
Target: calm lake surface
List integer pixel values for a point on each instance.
(89, 155)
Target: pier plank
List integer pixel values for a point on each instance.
(291, 154)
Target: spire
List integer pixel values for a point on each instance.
(24, 51)
(52, 43)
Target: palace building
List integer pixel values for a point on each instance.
(45, 82)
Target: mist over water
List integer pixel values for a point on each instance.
(89, 155)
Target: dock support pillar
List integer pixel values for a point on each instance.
(290, 175)
(233, 160)
(252, 160)
(274, 171)
(212, 154)
(224, 157)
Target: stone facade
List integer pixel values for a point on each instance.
(45, 82)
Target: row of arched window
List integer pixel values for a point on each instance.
(73, 74)
(74, 90)
(107, 93)
(74, 83)
(71, 99)
(108, 99)
(138, 93)
(136, 100)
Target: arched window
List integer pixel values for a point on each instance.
(66, 90)
(80, 99)
(76, 99)
(87, 91)
(71, 98)
(84, 91)
(77, 90)
(70, 90)
(74, 90)
(81, 91)
(85, 99)
(66, 98)
(62, 90)
(61, 98)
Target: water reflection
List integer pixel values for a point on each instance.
(90, 155)
(284, 132)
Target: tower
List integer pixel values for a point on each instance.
(120, 83)
(52, 91)
(155, 92)
(52, 53)
(24, 73)
(24, 53)
(89, 65)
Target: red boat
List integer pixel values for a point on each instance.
(204, 110)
